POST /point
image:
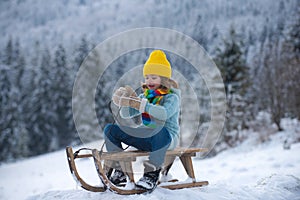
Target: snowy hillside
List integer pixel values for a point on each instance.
(266, 171)
(67, 21)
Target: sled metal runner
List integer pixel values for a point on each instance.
(103, 162)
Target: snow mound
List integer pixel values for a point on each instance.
(279, 187)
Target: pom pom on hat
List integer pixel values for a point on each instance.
(157, 64)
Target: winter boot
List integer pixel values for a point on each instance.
(150, 178)
(118, 175)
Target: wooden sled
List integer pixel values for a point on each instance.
(104, 161)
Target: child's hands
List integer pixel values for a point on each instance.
(133, 102)
(129, 101)
(126, 91)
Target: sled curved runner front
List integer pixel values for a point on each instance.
(102, 163)
(71, 161)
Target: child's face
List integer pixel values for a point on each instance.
(153, 82)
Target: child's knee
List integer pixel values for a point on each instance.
(107, 129)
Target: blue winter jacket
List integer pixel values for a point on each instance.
(167, 113)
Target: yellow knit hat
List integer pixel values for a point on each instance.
(157, 64)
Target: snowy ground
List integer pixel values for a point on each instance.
(266, 171)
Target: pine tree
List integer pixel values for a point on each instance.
(8, 54)
(232, 65)
(20, 97)
(18, 66)
(235, 73)
(62, 97)
(4, 103)
(18, 134)
(80, 53)
(14, 134)
(199, 32)
(43, 117)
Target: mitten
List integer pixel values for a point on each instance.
(117, 95)
(134, 102)
(130, 91)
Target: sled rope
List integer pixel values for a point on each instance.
(114, 121)
(77, 152)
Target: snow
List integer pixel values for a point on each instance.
(249, 171)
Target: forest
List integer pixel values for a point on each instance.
(259, 64)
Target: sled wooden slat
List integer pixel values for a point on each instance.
(184, 185)
(132, 155)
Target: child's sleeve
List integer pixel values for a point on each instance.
(165, 111)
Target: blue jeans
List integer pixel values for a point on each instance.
(155, 141)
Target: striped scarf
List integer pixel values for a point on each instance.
(154, 97)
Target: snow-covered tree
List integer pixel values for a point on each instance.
(18, 66)
(62, 96)
(4, 103)
(42, 121)
(232, 64)
(14, 134)
(231, 61)
(16, 131)
(81, 52)
(199, 32)
(8, 53)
